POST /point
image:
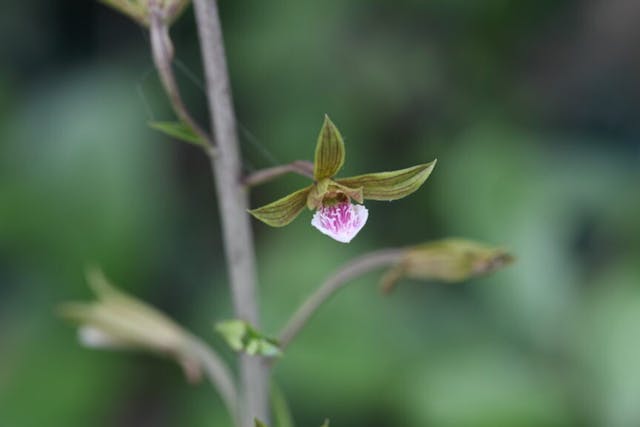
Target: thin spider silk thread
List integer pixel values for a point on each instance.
(248, 138)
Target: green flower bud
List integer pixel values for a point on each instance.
(449, 260)
(119, 321)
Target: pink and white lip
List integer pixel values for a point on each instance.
(341, 221)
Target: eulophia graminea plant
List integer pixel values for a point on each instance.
(116, 320)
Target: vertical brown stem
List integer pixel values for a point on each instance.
(233, 205)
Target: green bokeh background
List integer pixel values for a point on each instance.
(532, 108)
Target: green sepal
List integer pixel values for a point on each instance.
(241, 336)
(178, 130)
(260, 423)
(284, 210)
(449, 260)
(325, 423)
(356, 193)
(390, 185)
(329, 156)
(317, 193)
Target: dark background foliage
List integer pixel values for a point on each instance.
(531, 108)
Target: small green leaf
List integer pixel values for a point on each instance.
(260, 423)
(329, 156)
(177, 130)
(233, 331)
(241, 336)
(449, 260)
(390, 185)
(284, 210)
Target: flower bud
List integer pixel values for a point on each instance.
(449, 260)
(118, 321)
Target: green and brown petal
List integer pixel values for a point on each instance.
(391, 185)
(328, 191)
(284, 210)
(329, 156)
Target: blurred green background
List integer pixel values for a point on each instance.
(532, 108)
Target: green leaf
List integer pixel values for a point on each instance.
(284, 210)
(241, 336)
(448, 260)
(178, 130)
(260, 423)
(329, 156)
(325, 423)
(233, 331)
(390, 185)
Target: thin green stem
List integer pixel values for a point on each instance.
(333, 284)
(218, 374)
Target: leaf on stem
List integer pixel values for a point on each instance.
(390, 185)
(329, 156)
(178, 130)
(241, 336)
(284, 210)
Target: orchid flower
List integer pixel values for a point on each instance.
(336, 214)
